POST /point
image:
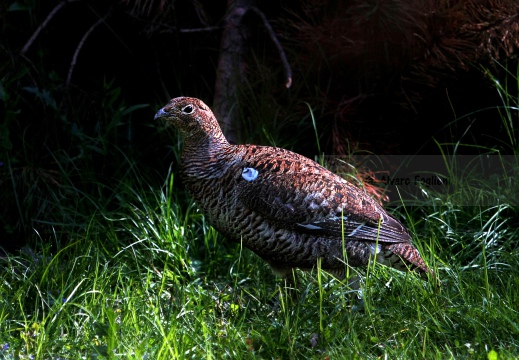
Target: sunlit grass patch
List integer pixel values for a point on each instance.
(133, 271)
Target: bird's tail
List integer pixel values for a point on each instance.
(405, 257)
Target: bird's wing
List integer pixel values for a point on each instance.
(298, 194)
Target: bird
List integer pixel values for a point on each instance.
(286, 208)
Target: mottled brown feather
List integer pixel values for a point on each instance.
(283, 206)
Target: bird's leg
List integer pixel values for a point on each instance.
(290, 280)
(355, 296)
(354, 283)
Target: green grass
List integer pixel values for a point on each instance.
(152, 280)
(128, 268)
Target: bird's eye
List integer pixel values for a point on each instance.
(188, 109)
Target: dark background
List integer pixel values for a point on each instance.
(381, 77)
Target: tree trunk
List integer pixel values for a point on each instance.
(231, 67)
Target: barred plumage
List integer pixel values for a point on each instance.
(283, 206)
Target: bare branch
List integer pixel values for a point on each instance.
(204, 29)
(168, 28)
(82, 42)
(201, 13)
(42, 26)
(273, 37)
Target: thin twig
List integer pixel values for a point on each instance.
(170, 28)
(273, 37)
(43, 25)
(81, 43)
(208, 28)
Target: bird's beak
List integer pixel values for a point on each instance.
(161, 113)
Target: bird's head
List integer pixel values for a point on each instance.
(190, 116)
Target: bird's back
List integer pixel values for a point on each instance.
(292, 211)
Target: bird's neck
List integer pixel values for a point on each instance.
(206, 156)
(201, 143)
